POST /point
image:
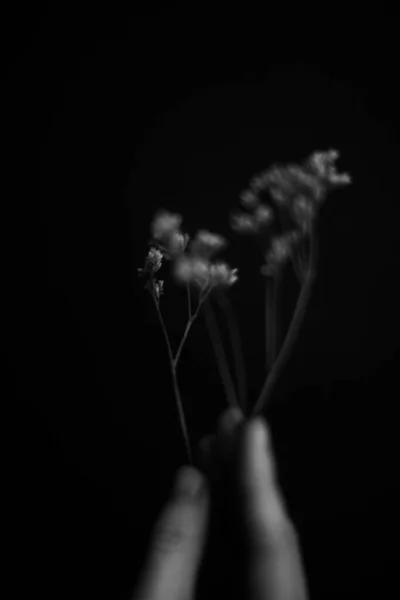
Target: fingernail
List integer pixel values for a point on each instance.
(189, 483)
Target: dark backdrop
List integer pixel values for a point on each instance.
(110, 113)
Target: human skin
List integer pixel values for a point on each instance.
(238, 458)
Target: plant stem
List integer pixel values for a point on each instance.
(188, 326)
(293, 331)
(190, 322)
(222, 362)
(299, 262)
(269, 333)
(236, 344)
(272, 287)
(175, 383)
(275, 315)
(189, 301)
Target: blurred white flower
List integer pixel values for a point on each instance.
(295, 190)
(284, 182)
(165, 224)
(303, 211)
(177, 242)
(322, 164)
(243, 223)
(202, 273)
(222, 274)
(264, 214)
(281, 250)
(206, 244)
(189, 269)
(249, 198)
(166, 233)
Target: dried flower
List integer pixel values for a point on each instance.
(295, 190)
(285, 182)
(206, 244)
(189, 269)
(281, 250)
(177, 243)
(153, 262)
(165, 224)
(244, 223)
(167, 235)
(151, 266)
(249, 198)
(264, 215)
(222, 274)
(202, 273)
(303, 210)
(321, 164)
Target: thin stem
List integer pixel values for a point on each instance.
(222, 362)
(275, 315)
(293, 331)
(272, 288)
(183, 340)
(189, 301)
(190, 322)
(182, 416)
(299, 262)
(269, 333)
(297, 269)
(234, 333)
(175, 384)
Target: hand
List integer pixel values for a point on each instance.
(248, 509)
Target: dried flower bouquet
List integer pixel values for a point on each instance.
(280, 209)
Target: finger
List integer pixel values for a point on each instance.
(274, 556)
(228, 424)
(205, 452)
(177, 541)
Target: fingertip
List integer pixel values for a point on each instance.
(204, 454)
(189, 482)
(257, 463)
(229, 420)
(259, 433)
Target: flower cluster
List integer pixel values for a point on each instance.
(192, 259)
(197, 267)
(152, 265)
(255, 221)
(166, 233)
(280, 251)
(296, 192)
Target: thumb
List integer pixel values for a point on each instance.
(271, 539)
(262, 503)
(177, 542)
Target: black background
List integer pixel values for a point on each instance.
(110, 113)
